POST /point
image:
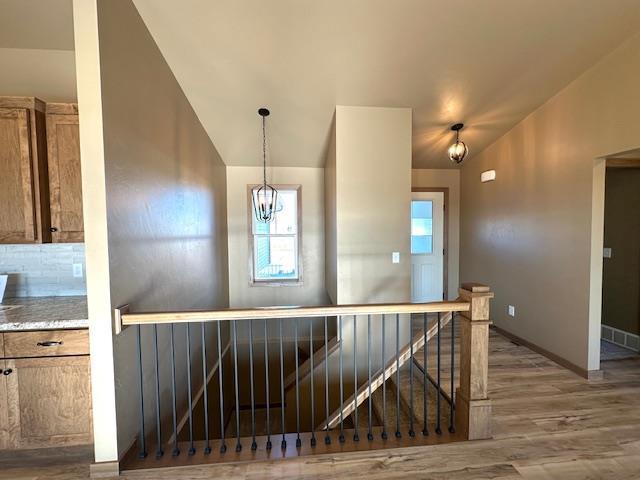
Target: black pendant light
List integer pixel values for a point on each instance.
(459, 149)
(265, 197)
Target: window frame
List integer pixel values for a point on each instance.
(294, 282)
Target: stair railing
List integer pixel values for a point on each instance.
(231, 384)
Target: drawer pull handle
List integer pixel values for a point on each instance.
(8, 371)
(49, 344)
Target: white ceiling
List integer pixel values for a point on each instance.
(487, 63)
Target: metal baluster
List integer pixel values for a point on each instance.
(370, 431)
(143, 445)
(384, 383)
(412, 433)
(327, 437)
(223, 445)
(341, 437)
(254, 445)
(398, 434)
(174, 406)
(192, 448)
(159, 451)
(266, 375)
(295, 340)
(235, 383)
(439, 394)
(425, 385)
(313, 393)
(452, 412)
(356, 437)
(283, 444)
(205, 388)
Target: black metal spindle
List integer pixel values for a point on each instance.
(283, 444)
(452, 411)
(254, 445)
(223, 445)
(425, 383)
(398, 434)
(370, 429)
(235, 383)
(142, 453)
(341, 437)
(384, 383)
(159, 451)
(412, 432)
(174, 406)
(438, 393)
(356, 437)
(205, 388)
(192, 448)
(295, 341)
(327, 437)
(313, 393)
(266, 381)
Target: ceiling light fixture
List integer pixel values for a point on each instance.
(265, 197)
(459, 149)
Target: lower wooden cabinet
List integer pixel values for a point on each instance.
(45, 401)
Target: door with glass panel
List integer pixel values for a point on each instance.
(427, 246)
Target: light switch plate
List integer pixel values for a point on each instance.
(395, 257)
(77, 270)
(511, 311)
(606, 252)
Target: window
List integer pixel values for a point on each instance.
(275, 246)
(421, 226)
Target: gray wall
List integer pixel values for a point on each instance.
(166, 199)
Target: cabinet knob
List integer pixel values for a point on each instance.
(53, 229)
(8, 371)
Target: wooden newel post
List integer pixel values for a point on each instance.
(473, 405)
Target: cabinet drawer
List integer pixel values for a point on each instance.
(46, 343)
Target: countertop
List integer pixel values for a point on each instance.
(43, 313)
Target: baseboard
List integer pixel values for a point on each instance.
(621, 338)
(584, 373)
(104, 470)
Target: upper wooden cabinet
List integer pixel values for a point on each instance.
(40, 184)
(24, 188)
(65, 180)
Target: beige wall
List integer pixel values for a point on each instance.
(373, 197)
(312, 291)
(535, 234)
(330, 226)
(450, 179)
(165, 209)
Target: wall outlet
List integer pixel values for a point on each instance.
(77, 270)
(511, 310)
(395, 257)
(606, 252)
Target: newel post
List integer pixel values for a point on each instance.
(472, 401)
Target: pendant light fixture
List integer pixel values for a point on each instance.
(265, 197)
(459, 149)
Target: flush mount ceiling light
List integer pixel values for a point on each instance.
(265, 197)
(459, 149)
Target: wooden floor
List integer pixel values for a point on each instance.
(548, 424)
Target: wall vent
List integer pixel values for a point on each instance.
(621, 338)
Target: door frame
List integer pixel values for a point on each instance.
(445, 233)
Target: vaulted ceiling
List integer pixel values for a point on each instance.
(487, 63)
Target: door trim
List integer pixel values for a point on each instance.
(445, 234)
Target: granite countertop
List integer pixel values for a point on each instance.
(43, 313)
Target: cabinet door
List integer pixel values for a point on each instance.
(17, 200)
(49, 401)
(65, 180)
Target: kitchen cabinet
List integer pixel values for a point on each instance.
(24, 188)
(45, 389)
(65, 179)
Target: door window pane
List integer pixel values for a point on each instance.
(421, 227)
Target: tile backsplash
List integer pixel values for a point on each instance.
(43, 270)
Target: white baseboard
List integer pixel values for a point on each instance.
(620, 338)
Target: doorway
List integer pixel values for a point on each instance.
(428, 250)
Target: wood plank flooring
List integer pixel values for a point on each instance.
(548, 424)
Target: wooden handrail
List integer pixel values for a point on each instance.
(125, 318)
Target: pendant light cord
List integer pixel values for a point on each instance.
(264, 154)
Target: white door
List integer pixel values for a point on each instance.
(427, 246)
